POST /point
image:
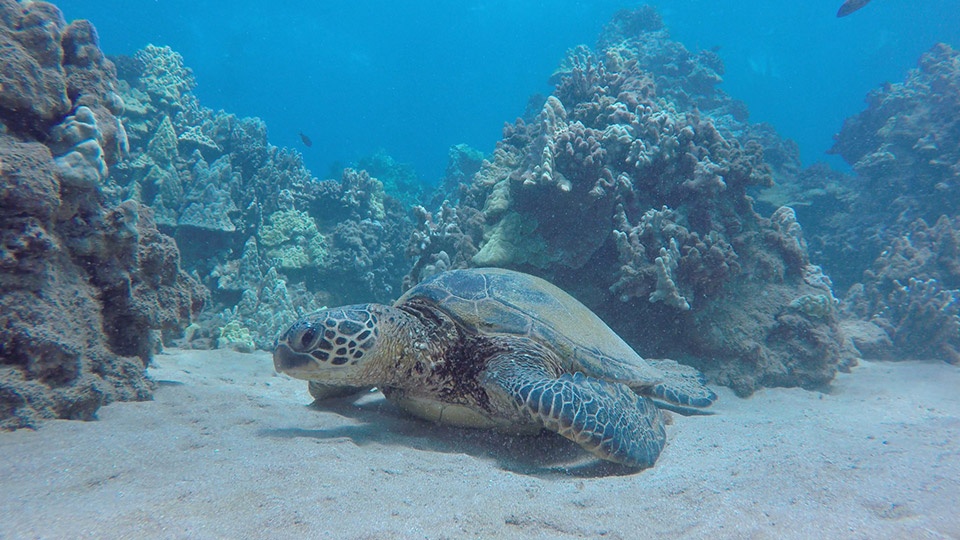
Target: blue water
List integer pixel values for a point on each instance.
(415, 77)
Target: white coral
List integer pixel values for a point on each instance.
(667, 290)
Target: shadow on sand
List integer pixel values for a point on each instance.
(381, 422)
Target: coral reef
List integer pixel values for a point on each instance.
(399, 179)
(872, 231)
(905, 147)
(235, 203)
(88, 288)
(629, 189)
(905, 152)
(462, 163)
(912, 292)
(292, 240)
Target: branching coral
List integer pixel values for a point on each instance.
(658, 253)
(441, 244)
(923, 319)
(912, 291)
(639, 246)
(787, 235)
(363, 192)
(666, 265)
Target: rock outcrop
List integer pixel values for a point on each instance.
(88, 288)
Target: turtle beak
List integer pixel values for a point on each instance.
(286, 360)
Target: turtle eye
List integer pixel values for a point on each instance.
(307, 337)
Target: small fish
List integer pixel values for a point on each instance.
(306, 140)
(850, 6)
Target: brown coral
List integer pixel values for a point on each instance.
(79, 304)
(86, 287)
(33, 83)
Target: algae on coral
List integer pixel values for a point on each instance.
(293, 240)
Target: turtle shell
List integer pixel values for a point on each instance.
(494, 301)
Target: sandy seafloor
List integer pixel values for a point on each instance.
(229, 449)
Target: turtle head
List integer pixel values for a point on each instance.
(334, 346)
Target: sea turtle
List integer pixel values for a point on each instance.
(493, 348)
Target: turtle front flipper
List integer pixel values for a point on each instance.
(682, 388)
(605, 418)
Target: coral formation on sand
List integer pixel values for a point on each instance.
(235, 336)
(629, 189)
(873, 231)
(912, 292)
(88, 287)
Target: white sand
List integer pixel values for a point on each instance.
(230, 450)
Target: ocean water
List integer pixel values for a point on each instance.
(802, 437)
(414, 78)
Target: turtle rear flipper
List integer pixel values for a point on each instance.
(607, 419)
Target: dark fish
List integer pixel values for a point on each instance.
(850, 6)
(306, 140)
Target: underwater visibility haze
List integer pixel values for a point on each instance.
(414, 78)
(479, 269)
